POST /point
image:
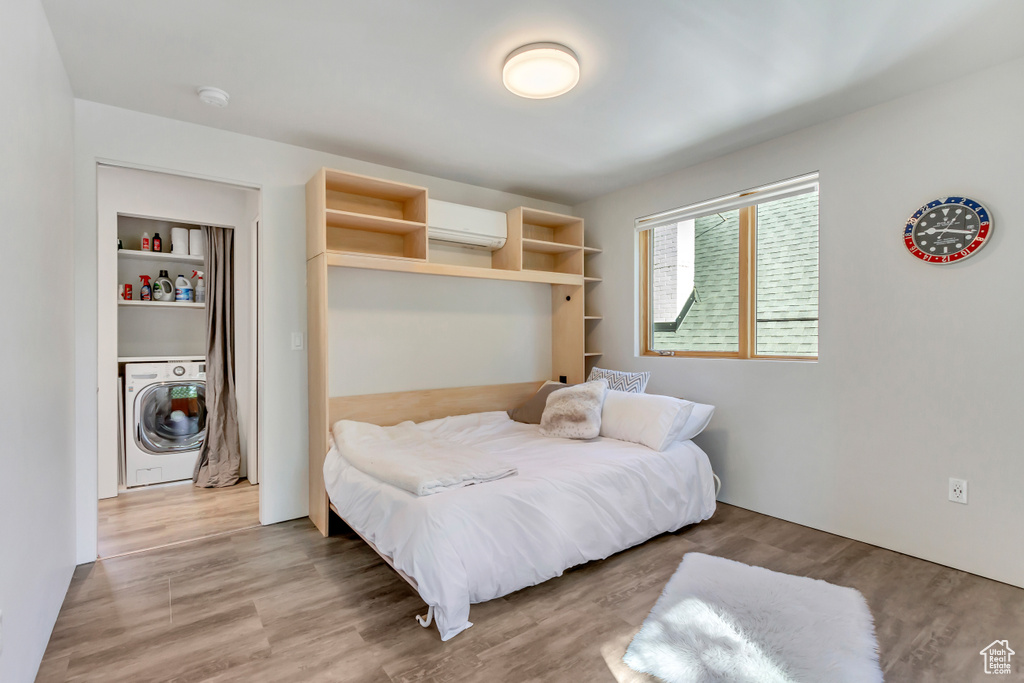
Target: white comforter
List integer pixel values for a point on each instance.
(415, 459)
(572, 502)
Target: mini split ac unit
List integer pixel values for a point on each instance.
(466, 225)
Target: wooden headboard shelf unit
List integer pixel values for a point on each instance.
(355, 221)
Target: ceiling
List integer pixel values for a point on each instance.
(417, 85)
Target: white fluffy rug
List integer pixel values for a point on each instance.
(719, 620)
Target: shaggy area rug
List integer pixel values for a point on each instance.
(719, 620)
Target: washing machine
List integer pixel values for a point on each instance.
(165, 420)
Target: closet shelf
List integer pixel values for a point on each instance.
(372, 223)
(159, 359)
(161, 304)
(157, 256)
(593, 317)
(587, 278)
(548, 247)
(348, 260)
(593, 354)
(587, 251)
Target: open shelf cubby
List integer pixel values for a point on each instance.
(361, 215)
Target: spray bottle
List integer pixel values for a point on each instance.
(200, 287)
(146, 293)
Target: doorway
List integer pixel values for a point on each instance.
(152, 357)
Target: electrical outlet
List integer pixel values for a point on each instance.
(958, 490)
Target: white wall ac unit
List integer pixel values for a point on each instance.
(466, 225)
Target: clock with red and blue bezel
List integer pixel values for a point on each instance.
(947, 230)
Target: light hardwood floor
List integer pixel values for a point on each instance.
(151, 517)
(282, 603)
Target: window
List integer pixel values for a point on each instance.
(734, 277)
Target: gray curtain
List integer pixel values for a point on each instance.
(220, 458)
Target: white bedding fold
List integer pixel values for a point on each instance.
(415, 460)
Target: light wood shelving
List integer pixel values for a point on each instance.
(349, 213)
(354, 221)
(590, 357)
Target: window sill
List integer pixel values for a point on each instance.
(722, 354)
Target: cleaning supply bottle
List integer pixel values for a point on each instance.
(163, 290)
(145, 242)
(146, 293)
(200, 287)
(157, 244)
(182, 289)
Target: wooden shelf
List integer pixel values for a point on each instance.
(588, 251)
(364, 221)
(161, 304)
(593, 317)
(351, 213)
(347, 260)
(592, 354)
(133, 254)
(545, 247)
(587, 278)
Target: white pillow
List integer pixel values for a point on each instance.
(699, 419)
(574, 412)
(649, 419)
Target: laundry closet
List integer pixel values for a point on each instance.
(154, 342)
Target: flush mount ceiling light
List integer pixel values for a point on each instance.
(541, 70)
(215, 97)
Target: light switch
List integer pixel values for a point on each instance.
(298, 343)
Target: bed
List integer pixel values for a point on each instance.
(572, 502)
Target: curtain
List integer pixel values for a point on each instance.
(220, 458)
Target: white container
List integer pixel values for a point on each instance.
(182, 289)
(196, 244)
(179, 241)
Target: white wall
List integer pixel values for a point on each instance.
(402, 332)
(280, 171)
(919, 377)
(37, 466)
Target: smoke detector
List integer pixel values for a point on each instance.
(215, 97)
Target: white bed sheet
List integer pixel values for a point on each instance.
(572, 502)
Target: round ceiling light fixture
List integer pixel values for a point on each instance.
(215, 97)
(541, 70)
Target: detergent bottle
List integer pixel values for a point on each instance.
(182, 289)
(163, 290)
(200, 287)
(146, 293)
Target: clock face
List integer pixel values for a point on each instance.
(947, 230)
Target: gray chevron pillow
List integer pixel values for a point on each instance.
(630, 382)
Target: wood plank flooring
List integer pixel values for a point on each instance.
(282, 603)
(151, 517)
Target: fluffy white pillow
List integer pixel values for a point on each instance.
(574, 412)
(699, 419)
(649, 419)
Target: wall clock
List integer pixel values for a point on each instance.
(947, 230)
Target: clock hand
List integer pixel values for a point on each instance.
(932, 231)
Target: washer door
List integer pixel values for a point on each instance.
(171, 417)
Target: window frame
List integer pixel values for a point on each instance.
(747, 348)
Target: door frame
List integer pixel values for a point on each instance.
(106, 235)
